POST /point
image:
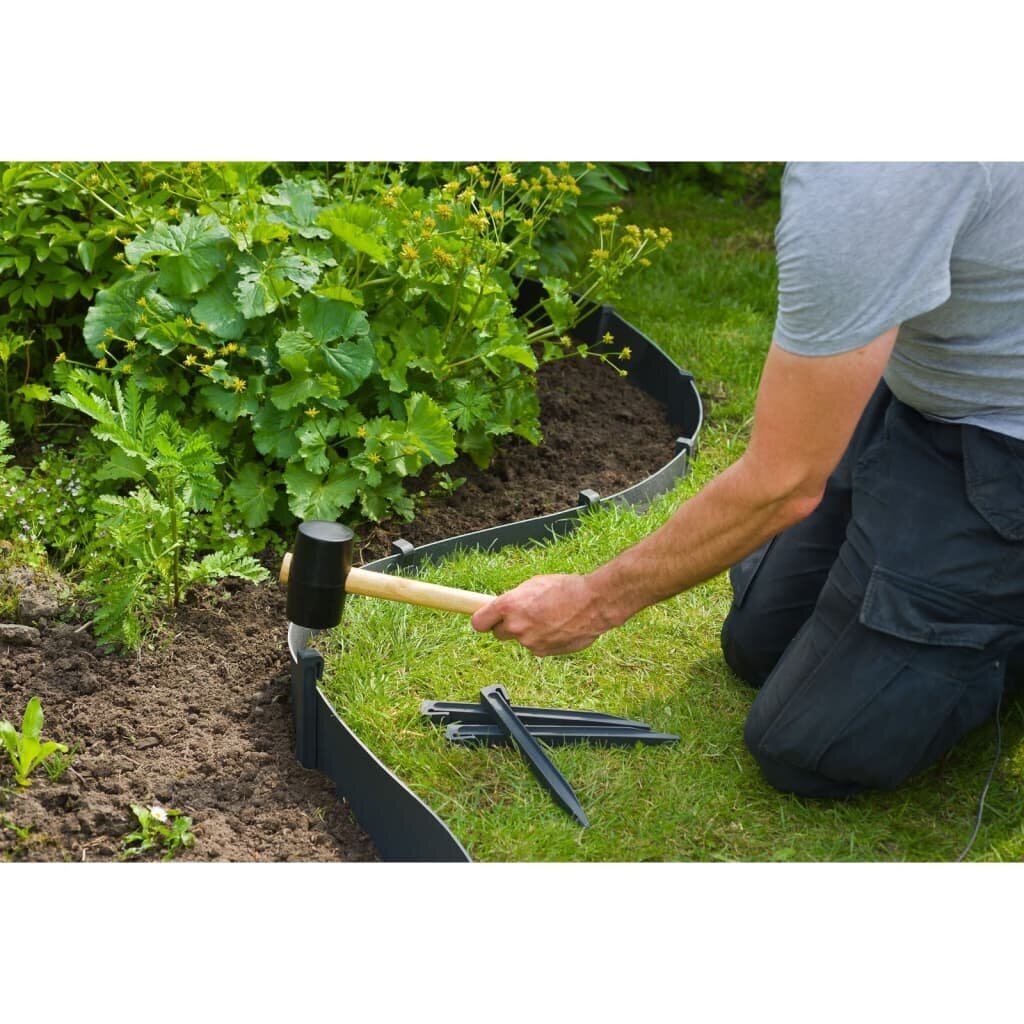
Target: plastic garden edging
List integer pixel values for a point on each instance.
(401, 825)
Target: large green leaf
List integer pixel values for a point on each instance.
(263, 285)
(296, 351)
(351, 362)
(190, 254)
(255, 296)
(521, 354)
(429, 429)
(298, 209)
(218, 310)
(274, 432)
(341, 221)
(255, 493)
(299, 390)
(327, 320)
(313, 448)
(314, 496)
(117, 311)
(226, 403)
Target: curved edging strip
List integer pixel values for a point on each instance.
(401, 825)
(653, 371)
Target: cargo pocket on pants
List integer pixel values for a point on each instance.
(916, 671)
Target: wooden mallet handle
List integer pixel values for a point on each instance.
(401, 588)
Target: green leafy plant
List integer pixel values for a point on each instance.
(339, 334)
(25, 749)
(159, 828)
(148, 541)
(63, 227)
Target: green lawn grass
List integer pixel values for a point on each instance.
(709, 302)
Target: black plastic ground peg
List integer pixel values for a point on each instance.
(445, 712)
(496, 701)
(477, 735)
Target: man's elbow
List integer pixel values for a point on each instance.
(788, 493)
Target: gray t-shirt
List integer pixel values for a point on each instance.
(936, 248)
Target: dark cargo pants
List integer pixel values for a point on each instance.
(878, 630)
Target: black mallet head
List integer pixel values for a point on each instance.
(316, 573)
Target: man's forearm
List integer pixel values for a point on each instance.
(732, 516)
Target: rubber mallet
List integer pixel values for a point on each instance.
(319, 574)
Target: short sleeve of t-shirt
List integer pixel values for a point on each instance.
(862, 247)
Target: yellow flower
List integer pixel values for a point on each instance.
(131, 345)
(442, 257)
(361, 432)
(599, 254)
(408, 252)
(190, 360)
(608, 338)
(238, 385)
(444, 211)
(467, 195)
(626, 353)
(141, 301)
(125, 367)
(312, 413)
(101, 364)
(510, 180)
(60, 357)
(474, 170)
(374, 458)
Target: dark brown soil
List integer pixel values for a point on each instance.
(202, 722)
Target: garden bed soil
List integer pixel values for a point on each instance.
(200, 722)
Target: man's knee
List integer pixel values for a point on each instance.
(747, 648)
(786, 774)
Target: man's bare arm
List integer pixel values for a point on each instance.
(806, 412)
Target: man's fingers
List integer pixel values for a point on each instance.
(486, 617)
